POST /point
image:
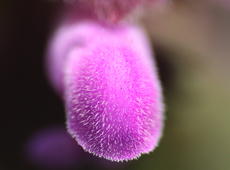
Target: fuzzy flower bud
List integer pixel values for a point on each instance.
(110, 86)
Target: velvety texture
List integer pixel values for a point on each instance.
(110, 86)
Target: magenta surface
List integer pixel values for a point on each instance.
(111, 89)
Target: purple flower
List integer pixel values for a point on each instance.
(110, 86)
(111, 11)
(53, 148)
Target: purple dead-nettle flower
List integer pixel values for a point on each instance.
(110, 86)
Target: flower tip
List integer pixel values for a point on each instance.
(111, 89)
(113, 96)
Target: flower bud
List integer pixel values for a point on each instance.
(110, 86)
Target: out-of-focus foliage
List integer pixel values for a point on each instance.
(195, 38)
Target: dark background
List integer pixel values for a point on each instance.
(27, 101)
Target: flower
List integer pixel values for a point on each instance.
(53, 148)
(111, 11)
(109, 83)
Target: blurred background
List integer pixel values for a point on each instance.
(191, 40)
